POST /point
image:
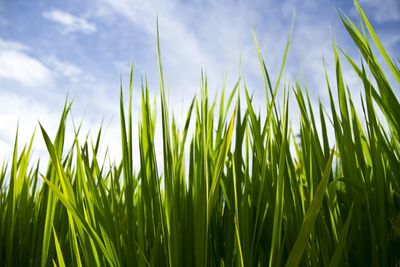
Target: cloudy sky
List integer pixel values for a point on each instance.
(51, 49)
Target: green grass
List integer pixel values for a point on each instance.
(238, 190)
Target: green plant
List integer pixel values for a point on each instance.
(242, 198)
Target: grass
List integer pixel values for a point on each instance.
(232, 192)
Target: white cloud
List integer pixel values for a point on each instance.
(26, 113)
(190, 44)
(66, 69)
(21, 111)
(384, 10)
(12, 45)
(212, 35)
(70, 22)
(17, 65)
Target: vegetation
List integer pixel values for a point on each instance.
(240, 190)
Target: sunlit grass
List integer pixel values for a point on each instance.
(232, 192)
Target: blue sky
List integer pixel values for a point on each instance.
(49, 49)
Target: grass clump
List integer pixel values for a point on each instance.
(242, 197)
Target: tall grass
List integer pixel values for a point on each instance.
(242, 197)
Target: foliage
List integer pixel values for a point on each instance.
(240, 197)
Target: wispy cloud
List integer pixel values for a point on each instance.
(21, 111)
(216, 36)
(17, 65)
(384, 10)
(70, 23)
(66, 69)
(193, 37)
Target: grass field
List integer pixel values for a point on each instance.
(241, 189)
